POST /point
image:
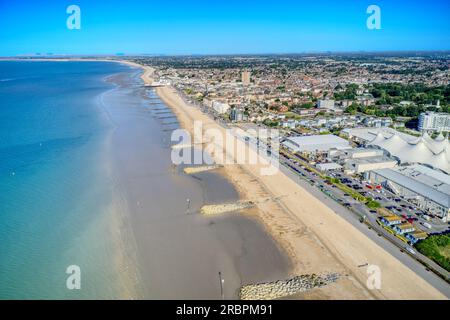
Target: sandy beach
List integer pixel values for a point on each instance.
(178, 253)
(315, 238)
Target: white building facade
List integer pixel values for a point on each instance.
(434, 121)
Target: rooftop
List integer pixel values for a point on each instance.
(317, 143)
(405, 226)
(392, 218)
(419, 184)
(418, 234)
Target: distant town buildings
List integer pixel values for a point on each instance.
(338, 115)
(326, 104)
(246, 77)
(434, 121)
(236, 115)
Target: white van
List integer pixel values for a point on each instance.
(427, 225)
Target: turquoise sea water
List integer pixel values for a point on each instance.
(55, 191)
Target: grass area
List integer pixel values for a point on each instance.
(445, 252)
(292, 115)
(437, 248)
(354, 194)
(372, 204)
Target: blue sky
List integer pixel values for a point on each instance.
(221, 27)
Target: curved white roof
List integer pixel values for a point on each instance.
(424, 149)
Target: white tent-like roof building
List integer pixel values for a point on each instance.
(424, 150)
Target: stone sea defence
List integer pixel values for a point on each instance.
(283, 288)
(215, 209)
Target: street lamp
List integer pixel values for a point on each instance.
(188, 205)
(221, 286)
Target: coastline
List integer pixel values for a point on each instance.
(171, 244)
(314, 237)
(158, 251)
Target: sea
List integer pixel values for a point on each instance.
(55, 186)
(91, 205)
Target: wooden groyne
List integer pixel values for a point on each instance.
(192, 170)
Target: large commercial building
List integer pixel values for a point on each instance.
(361, 160)
(358, 153)
(406, 148)
(316, 143)
(361, 165)
(424, 187)
(434, 121)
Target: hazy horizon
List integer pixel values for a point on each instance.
(361, 52)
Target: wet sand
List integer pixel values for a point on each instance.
(180, 253)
